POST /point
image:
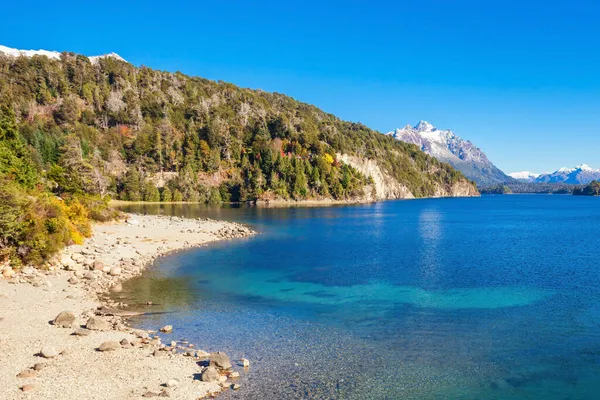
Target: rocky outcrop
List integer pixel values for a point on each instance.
(386, 187)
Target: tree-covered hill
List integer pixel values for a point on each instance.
(591, 189)
(109, 127)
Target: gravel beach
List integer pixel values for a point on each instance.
(59, 340)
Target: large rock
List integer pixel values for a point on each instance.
(98, 324)
(220, 360)
(210, 374)
(115, 271)
(65, 319)
(110, 345)
(48, 352)
(166, 329)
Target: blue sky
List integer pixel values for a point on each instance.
(520, 79)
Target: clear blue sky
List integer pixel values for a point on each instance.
(521, 79)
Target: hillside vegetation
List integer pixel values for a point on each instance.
(76, 132)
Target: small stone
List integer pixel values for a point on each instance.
(125, 342)
(210, 374)
(27, 388)
(172, 383)
(98, 324)
(245, 362)
(173, 343)
(202, 354)
(8, 272)
(234, 375)
(65, 319)
(98, 265)
(81, 332)
(39, 366)
(166, 329)
(115, 271)
(89, 275)
(222, 378)
(27, 373)
(235, 386)
(73, 280)
(48, 352)
(150, 394)
(220, 360)
(110, 345)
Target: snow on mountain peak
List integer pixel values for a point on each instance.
(523, 175)
(584, 167)
(51, 54)
(424, 126)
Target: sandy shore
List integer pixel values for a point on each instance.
(135, 364)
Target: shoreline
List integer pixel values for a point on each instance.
(134, 363)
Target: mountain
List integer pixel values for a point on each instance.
(580, 175)
(103, 126)
(524, 176)
(450, 148)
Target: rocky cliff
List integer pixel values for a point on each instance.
(386, 187)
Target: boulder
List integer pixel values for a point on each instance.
(219, 360)
(73, 280)
(166, 329)
(202, 354)
(115, 271)
(48, 352)
(110, 345)
(98, 324)
(210, 374)
(245, 362)
(65, 319)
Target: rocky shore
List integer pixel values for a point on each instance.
(61, 338)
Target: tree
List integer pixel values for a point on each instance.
(166, 195)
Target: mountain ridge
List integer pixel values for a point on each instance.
(581, 174)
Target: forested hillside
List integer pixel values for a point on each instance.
(76, 133)
(110, 127)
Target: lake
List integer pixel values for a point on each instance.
(495, 297)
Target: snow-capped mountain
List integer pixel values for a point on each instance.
(447, 147)
(51, 54)
(524, 176)
(581, 174)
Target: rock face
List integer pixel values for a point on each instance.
(387, 187)
(450, 148)
(65, 319)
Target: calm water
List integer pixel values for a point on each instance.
(495, 297)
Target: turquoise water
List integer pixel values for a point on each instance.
(495, 297)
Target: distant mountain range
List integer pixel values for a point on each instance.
(579, 175)
(450, 148)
